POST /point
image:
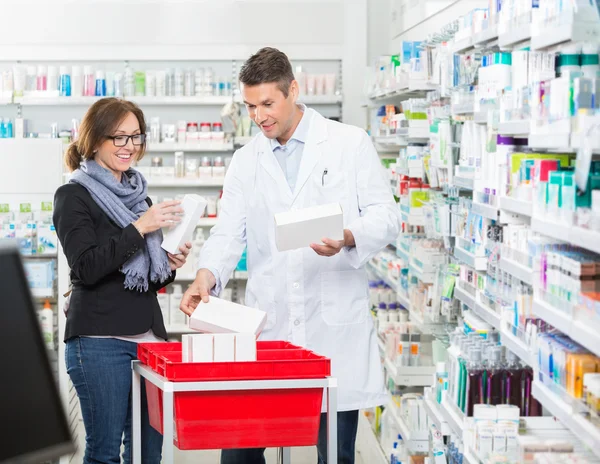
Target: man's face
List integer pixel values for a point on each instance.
(270, 109)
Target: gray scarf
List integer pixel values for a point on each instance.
(124, 203)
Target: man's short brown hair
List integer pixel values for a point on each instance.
(266, 66)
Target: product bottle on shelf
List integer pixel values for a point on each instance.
(64, 82)
(179, 82)
(76, 82)
(46, 318)
(496, 378)
(52, 79)
(89, 83)
(474, 390)
(42, 79)
(128, 84)
(513, 387)
(100, 84)
(31, 79)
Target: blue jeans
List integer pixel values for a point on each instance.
(347, 426)
(100, 369)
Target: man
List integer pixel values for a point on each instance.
(315, 297)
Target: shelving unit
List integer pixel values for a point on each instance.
(368, 444)
(487, 211)
(479, 263)
(514, 128)
(184, 182)
(411, 376)
(517, 206)
(200, 147)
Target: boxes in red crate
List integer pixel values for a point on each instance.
(245, 418)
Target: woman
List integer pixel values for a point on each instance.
(111, 236)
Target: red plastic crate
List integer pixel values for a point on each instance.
(240, 419)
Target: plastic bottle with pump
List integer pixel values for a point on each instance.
(46, 318)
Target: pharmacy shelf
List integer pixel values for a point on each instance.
(517, 206)
(367, 443)
(550, 142)
(5, 100)
(453, 416)
(480, 117)
(585, 431)
(416, 89)
(464, 297)
(417, 442)
(514, 128)
(200, 147)
(383, 276)
(463, 46)
(321, 99)
(391, 141)
(523, 273)
(403, 300)
(580, 332)
(550, 229)
(184, 182)
(434, 412)
(413, 219)
(479, 263)
(585, 238)
(518, 347)
(470, 457)
(418, 132)
(487, 211)
(425, 277)
(237, 276)
(486, 36)
(566, 29)
(463, 182)
(487, 314)
(149, 101)
(514, 36)
(410, 376)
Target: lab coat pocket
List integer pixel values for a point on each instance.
(329, 188)
(260, 294)
(344, 297)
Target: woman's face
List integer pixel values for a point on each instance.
(116, 158)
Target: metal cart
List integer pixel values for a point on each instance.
(169, 388)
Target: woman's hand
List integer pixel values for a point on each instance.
(163, 214)
(177, 261)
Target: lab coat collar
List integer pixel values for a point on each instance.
(317, 134)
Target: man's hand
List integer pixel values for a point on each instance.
(333, 247)
(198, 292)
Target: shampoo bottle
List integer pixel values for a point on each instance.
(46, 318)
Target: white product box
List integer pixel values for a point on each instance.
(301, 228)
(186, 348)
(203, 348)
(224, 347)
(245, 347)
(220, 316)
(205, 172)
(499, 440)
(193, 207)
(47, 240)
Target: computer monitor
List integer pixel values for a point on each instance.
(33, 424)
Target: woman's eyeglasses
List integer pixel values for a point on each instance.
(122, 140)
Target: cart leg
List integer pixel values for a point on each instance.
(168, 451)
(286, 455)
(332, 447)
(136, 417)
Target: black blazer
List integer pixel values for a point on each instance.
(96, 248)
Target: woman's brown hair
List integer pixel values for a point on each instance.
(102, 119)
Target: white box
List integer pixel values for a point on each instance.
(301, 228)
(203, 348)
(193, 207)
(186, 348)
(220, 316)
(224, 347)
(245, 347)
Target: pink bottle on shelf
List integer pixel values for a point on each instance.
(42, 78)
(89, 82)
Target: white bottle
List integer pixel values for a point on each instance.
(52, 79)
(129, 84)
(177, 317)
(163, 302)
(46, 318)
(77, 82)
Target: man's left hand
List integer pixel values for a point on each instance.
(333, 247)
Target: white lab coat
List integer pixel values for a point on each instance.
(317, 302)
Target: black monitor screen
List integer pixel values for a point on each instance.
(33, 425)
